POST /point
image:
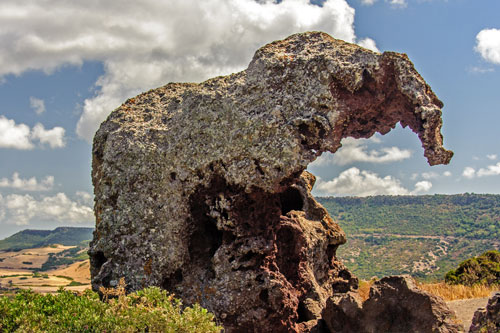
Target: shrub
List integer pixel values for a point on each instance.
(484, 269)
(151, 309)
(75, 283)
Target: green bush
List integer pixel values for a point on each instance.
(75, 283)
(484, 269)
(151, 309)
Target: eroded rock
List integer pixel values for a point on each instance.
(201, 189)
(395, 305)
(487, 319)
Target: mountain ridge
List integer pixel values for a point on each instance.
(34, 238)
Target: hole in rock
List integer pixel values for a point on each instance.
(205, 240)
(172, 280)
(99, 259)
(331, 250)
(205, 237)
(291, 199)
(287, 258)
(303, 313)
(247, 257)
(264, 296)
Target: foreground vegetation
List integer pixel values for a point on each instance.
(424, 236)
(148, 310)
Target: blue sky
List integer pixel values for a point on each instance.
(65, 65)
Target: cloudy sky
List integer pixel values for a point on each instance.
(64, 65)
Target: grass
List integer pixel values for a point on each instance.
(446, 291)
(13, 275)
(364, 288)
(458, 291)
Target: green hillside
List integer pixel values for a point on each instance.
(424, 236)
(29, 238)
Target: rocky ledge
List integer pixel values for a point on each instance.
(200, 188)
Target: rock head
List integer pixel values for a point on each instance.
(200, 188)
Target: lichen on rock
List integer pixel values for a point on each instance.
(201, 188)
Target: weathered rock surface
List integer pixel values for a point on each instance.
(201, 189)
(487, 320)
(395, 304)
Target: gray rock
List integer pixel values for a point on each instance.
(487, 320)
(200, 188)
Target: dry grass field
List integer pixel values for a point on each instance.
(457, 292)
(29, 258)
(17, 271)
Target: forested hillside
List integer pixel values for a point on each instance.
(421, 235)
(29, 238)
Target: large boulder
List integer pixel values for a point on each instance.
(200, 188)
(395, 304)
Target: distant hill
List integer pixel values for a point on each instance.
(424, 236)
(29, 238)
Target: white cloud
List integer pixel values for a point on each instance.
(31, 184)
(492, 156)
(85, 198)
(368, 2)
(147, 43)
(480, 70)
(488, 45)
(38, 105)
(398, 3)
(422, 186)
(469, 172)
(362, 183)
(14, 136)
(354, 182)
(430, 175)
(369, 44)
(54, 137)
(355, 150)
(20, 136)
(491, 170)
(22, 209)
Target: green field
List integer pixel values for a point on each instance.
(424, 236)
